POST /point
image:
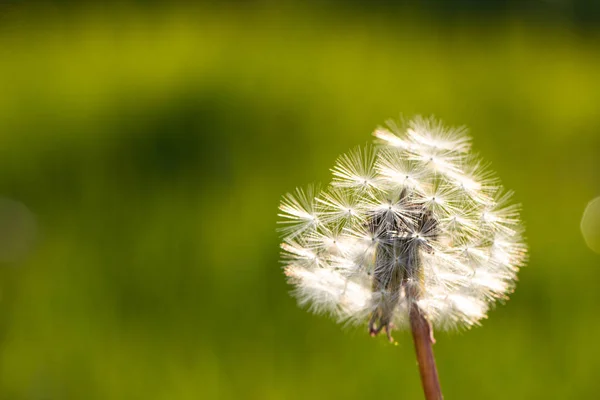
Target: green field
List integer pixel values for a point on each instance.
(153, 145)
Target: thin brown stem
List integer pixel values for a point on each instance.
(423, 338)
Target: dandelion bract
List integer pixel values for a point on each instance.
(415, 219)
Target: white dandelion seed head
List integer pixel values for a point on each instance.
(417, 219)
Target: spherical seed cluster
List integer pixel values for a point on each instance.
(416, 220)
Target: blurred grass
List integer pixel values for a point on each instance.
(153, 146)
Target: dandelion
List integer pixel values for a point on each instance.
(414, 233)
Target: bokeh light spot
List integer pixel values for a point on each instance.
(590, 225)
(17, 230)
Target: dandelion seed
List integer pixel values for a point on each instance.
(299, 212)
(414, 233)
(354, 170)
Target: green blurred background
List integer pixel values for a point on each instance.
(152, 143)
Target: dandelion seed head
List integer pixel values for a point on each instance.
(416, 219)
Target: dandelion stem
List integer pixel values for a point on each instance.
(423, 338)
